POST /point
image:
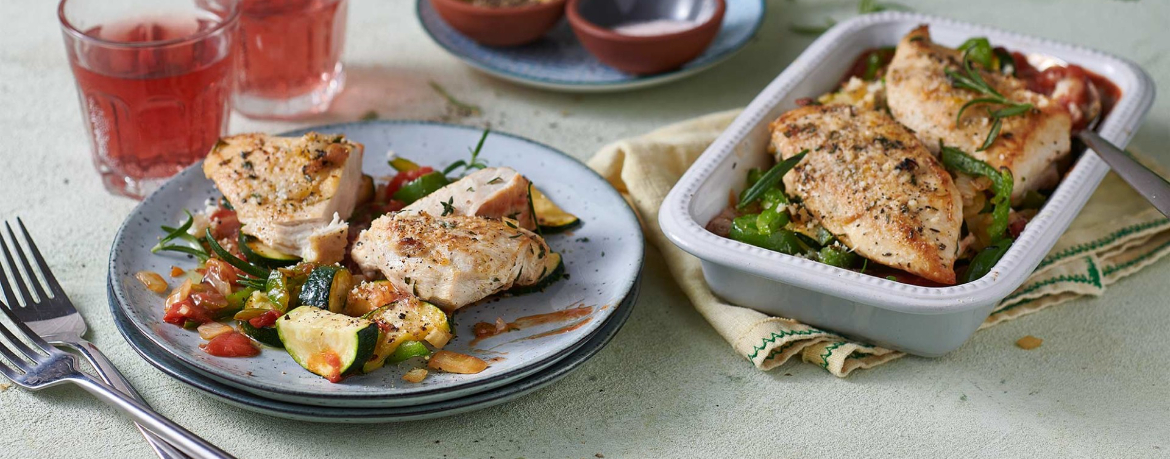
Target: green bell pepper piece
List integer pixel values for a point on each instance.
(408, 350)
(420, 187)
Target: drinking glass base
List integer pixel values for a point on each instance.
(311, 103)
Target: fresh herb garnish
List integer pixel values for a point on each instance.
(189, 244)
(448, 206)
(494, 181)
(970, 79)
(768, 180)
(474, 163)
(464, 108)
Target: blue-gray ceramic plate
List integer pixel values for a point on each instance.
(246, 400)
(559, 62)
(603, 257)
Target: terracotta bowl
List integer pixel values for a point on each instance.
(593, 22)
(504, 26)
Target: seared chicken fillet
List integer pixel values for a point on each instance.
(292, 193)
(452, 261)
(871, 183)
(494, 192)
(921, 98)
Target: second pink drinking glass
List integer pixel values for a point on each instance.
(290, 62)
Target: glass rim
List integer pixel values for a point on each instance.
(231, 18)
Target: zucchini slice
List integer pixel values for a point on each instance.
(548, 279)
(264, 255)
(325, 343)
(266, 335)
(326, 288)
(549, 217)
(407, 319)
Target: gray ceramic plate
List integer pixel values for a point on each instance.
(603, 258)
(313, 413)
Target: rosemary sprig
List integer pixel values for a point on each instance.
(971, 80)
(474, 163)
(188, 244)
(769, 180)
(463, 107)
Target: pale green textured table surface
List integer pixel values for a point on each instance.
(667, 386)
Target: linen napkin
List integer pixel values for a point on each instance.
(1116, 234)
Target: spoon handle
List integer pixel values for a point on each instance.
(1147, 183)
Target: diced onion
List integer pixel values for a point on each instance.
(210, 330)
(180, 293)
(438, 338)
(453, 362)
(152, 281)
(416, 375)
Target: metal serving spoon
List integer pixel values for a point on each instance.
(1149, 184)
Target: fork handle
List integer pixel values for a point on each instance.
(173, 433)
(111, 375)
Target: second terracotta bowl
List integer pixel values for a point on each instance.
(642, 54)
(500, 26)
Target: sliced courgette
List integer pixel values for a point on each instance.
(326, 288)
(326, 343)
(549, 217)
(264, 255)
(265, 335)
(548, 279)
(407, 319)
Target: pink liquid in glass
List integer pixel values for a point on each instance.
(291, 56)
(152, 110)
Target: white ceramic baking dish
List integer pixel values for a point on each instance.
(927, 321)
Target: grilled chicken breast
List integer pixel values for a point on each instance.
(870, 182)
(921, 98)
(494, 192)
(452, 261)
(292, 193)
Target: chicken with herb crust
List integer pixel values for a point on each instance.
(291, 193)
(925, 99)
(871, 183)
(454, 261)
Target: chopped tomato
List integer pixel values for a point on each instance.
(224, 224)
(231, 344)
(267, 319)
(403, 178)
(186, 310)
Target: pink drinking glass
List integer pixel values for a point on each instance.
(290, 57)
(154, 78)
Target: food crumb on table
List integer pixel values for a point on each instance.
(1029, 342)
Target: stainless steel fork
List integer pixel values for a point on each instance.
(55, 320)
(34, 364)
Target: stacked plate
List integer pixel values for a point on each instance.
(603, 258)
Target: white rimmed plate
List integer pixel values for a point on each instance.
(603, 258)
